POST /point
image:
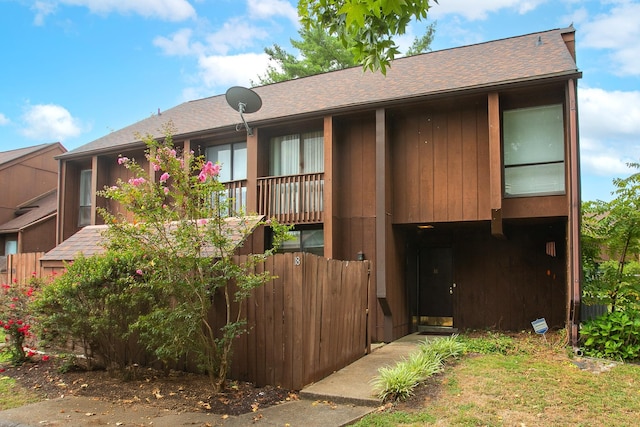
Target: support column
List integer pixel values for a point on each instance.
(381, 222)
(495, 165)
(328, 214)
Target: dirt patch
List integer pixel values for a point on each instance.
(177, 391)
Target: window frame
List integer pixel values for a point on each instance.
(84, 192)
(302, 167)
(537, 164)
(232, 160)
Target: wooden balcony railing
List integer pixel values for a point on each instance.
(236, 196)
(294, 199)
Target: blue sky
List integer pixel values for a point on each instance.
(75, 70)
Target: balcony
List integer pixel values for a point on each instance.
(236, 196)
(294, 199)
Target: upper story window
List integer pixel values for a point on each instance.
(534, 151)
(232, 158)
(297, 154)
(84, 213)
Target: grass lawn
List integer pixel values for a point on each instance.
(12, 395)
(529, 384)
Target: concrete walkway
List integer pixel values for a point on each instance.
(338, 400)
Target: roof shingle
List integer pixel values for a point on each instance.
(522, 58)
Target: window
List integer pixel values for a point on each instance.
(297, 154)
(534, 151)
(233, 159)
(308, 240)
(84, 215)
(11, 246)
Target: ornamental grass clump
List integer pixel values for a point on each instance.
(399, 381)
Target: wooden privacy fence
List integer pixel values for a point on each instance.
(308, 322)
(21, 267)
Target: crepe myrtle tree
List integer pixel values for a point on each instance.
(365, 27)
(178, 221)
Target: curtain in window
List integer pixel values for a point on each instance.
(84, 214)
(239, 161)
(285, 155)
(313, 152)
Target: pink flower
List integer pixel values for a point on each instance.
(155, 166)
(202, 222)
(123, 160)
(166, 190)
(45, 357)
(139, 272)
(137, 181)
(209, 169)
(165, 176)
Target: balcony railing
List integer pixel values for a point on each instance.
(295, 199)
(236, 196)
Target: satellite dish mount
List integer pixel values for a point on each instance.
(244, 101)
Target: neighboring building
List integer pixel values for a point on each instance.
(28, 205)
(457, 175)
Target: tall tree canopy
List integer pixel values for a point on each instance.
(320, 52)
(365, 27)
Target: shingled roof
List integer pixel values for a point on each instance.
(7, 157)
(517, 59)
(90, 241)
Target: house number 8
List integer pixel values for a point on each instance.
(296, 261)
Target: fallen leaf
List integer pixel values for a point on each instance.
(90, 414)
(225, 416)
(255, 406)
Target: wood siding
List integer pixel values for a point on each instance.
(27, 178)
(441, 163)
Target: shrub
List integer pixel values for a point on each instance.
(399, 381)
(615, 335)
(93, 305)
(16, 319)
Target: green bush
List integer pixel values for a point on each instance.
(93, 305)
(615, 335)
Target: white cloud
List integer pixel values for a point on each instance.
(42, 10)
(609, 130)
(619, 32)
(222, 71)
(179, 44)
(168, 10)
(234, 34)
(474, 10)
(4, 120)
(262, 9)
(50, 122)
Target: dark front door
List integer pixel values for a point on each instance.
(436, 288)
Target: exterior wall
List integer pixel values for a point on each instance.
(40, 237)
(501, 283)
(27, 178)
(441, 162)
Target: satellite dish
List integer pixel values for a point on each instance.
(244, 101)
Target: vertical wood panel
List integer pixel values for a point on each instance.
(425, 153)
(454, 166)
(470, 178)
(411, 167)
(440, 164)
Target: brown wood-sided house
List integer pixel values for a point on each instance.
(29, 179)
(457, 175)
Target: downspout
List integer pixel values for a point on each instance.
(575, 273)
